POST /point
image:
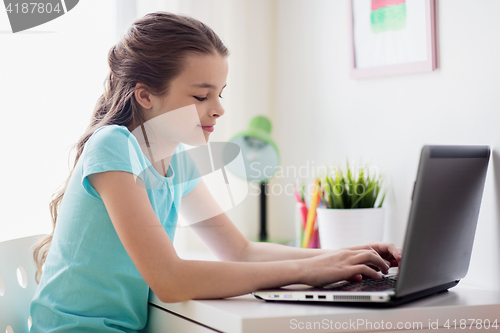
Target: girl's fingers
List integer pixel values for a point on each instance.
(386, 250)
(373, 258)
(393, 250)
(351, 263)
(367, 271)
(356, 278)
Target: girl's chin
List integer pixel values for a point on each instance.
(200, 142)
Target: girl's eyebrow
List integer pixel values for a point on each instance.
(207, 85)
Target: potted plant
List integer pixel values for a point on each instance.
(351, 212)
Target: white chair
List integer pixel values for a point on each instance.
(17, 283)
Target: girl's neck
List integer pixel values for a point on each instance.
(158, 152)
(161, 158)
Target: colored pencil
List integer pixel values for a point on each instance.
(302, 207)
(311, 216)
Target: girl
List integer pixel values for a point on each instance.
(113, 240)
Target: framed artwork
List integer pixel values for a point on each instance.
(390, 37)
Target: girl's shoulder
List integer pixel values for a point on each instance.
(112, 140)
(112, 147)
(111, 135)
(111, 130)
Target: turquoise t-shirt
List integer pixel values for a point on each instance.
(89, 282)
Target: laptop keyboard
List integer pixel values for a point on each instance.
(367, 284)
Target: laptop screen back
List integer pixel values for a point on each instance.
(443, 216)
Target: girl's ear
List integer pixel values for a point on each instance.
(143, 96)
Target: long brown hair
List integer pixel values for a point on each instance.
(152, 51)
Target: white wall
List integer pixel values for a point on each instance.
(321, 114)
(51, 77)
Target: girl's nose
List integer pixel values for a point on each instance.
(217, 112)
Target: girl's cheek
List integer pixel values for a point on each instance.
(201, 112)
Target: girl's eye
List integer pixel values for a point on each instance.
(201, 99)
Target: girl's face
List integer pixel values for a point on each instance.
(189, 111)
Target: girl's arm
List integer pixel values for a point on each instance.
(173, 279)
(217, 231)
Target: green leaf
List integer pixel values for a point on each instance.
(364, 194)
(350, 188)
(382, 201)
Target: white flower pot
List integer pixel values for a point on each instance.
(349, 227)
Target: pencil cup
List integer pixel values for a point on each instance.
(350, 227)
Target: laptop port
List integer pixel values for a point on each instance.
(321, 296)
(309, 296)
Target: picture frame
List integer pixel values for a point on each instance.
(392, 37)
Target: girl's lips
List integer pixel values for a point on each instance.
(208, 128)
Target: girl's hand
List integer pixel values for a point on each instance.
(351, 263)
(387, 251)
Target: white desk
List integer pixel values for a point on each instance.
(246, 314)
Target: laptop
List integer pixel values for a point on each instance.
(440, 233)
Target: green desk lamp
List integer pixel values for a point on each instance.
(261, 159)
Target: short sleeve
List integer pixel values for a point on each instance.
(187, 170)
(110, 148)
